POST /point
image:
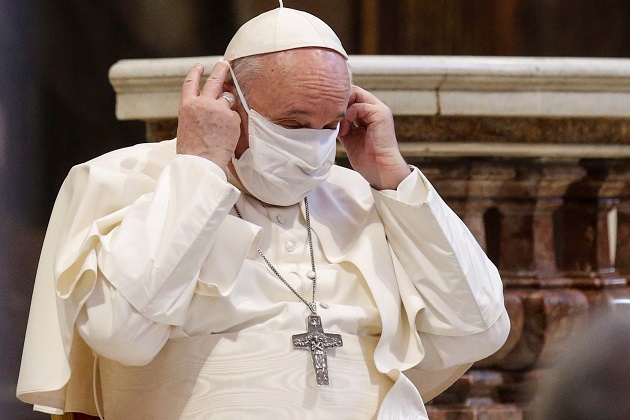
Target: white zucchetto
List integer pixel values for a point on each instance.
(279, 30)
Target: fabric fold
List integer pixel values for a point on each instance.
(415, 284)
(468, 277)
(83, 226)
(239, 240)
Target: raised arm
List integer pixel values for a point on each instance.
(148, 253)
(367, 133)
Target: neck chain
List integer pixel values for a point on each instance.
(312, 275)
(315, 339)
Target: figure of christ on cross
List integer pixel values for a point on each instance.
(317, 341)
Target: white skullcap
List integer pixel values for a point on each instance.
(279, 30)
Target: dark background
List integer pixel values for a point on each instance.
(57, 107)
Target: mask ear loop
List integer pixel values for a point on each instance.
(238, 89)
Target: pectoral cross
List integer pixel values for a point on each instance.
(317, 341)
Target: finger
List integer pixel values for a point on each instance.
(191, 84)
(214, 85)
(362, 113)
(360, 95)
(344, 128)
(348, 131)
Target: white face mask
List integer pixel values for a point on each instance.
(282, 165)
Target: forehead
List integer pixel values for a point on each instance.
(311, 61)
(302, 79)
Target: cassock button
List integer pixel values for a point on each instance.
(290, 246)
(323, 304)
(281, 219)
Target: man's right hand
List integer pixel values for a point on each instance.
(207, 126)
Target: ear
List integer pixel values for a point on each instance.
(228, 86)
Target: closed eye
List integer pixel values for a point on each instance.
(293, 125)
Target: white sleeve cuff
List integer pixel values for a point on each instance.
(414, 189)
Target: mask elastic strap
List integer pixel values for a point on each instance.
(238, 89)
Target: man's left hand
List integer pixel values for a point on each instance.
(367, 133)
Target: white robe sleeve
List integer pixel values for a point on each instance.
(126, 240)
(148, 257)
(114, 329)
(455, 295)
(153, 258)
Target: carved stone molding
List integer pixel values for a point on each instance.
(427, 85)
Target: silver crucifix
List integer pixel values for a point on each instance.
(317, 341)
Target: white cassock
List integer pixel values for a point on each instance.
(146, 259)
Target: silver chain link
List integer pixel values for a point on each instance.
(311, 306)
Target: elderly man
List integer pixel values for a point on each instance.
(235, 272)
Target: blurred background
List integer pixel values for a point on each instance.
(57, 107)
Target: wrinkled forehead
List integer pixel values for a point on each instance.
(310, 84)
(292, 66)
(307, 61)
(311, 71)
